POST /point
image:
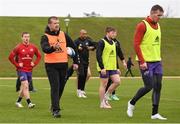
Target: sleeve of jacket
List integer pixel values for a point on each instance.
(119, 50)
(38, 55)
(12, 56)
(76, 43)
(138, 36)
(71, 44)
(95, 44)
(99, 51)
(45, 46)
(92, 43)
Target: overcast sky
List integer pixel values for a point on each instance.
(76, 8)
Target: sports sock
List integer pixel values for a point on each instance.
(113, 93)
(155, 109)
(28, 101)
(132, 102)
(19, 99)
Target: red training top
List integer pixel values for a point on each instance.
(24, 54)
(139, 34)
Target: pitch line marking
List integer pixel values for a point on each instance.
(96, 93)
(45, 78)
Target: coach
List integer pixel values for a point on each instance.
(54, 43)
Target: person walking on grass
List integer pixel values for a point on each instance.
(129, 64)
(147, 44)
(120, 55)
(107, 66)
(54, 44)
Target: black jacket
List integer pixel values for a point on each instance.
(46, 48)
(100, 49)
(84, 53)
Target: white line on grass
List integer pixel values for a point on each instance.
(96, 93)
(45, 78)
(4, 85)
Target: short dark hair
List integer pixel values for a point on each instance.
(109, 29)
(52, 17)
(23, 33)
(157, 7)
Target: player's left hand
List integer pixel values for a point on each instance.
(75, 66)
(90, 47)
(119, 71)
(32, 64)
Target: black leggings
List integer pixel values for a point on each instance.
(150, 82)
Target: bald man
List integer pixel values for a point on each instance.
(84, 44)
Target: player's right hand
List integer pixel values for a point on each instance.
(80, 48)
(56, 47)
(21, 64)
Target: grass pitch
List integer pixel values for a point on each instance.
(76, 110)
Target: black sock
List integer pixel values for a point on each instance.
(155, 109)
(19, 99)
(28, 101)
(113, 93)
(132, 102)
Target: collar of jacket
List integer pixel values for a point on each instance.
(47, 30)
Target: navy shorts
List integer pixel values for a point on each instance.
(25, 76)
(153, 68)
(108, 73)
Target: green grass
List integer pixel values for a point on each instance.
(11, 28)
(87, 110)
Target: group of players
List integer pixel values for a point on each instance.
(54, 43)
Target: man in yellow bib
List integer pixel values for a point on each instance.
(107, 66)
(147, 44)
